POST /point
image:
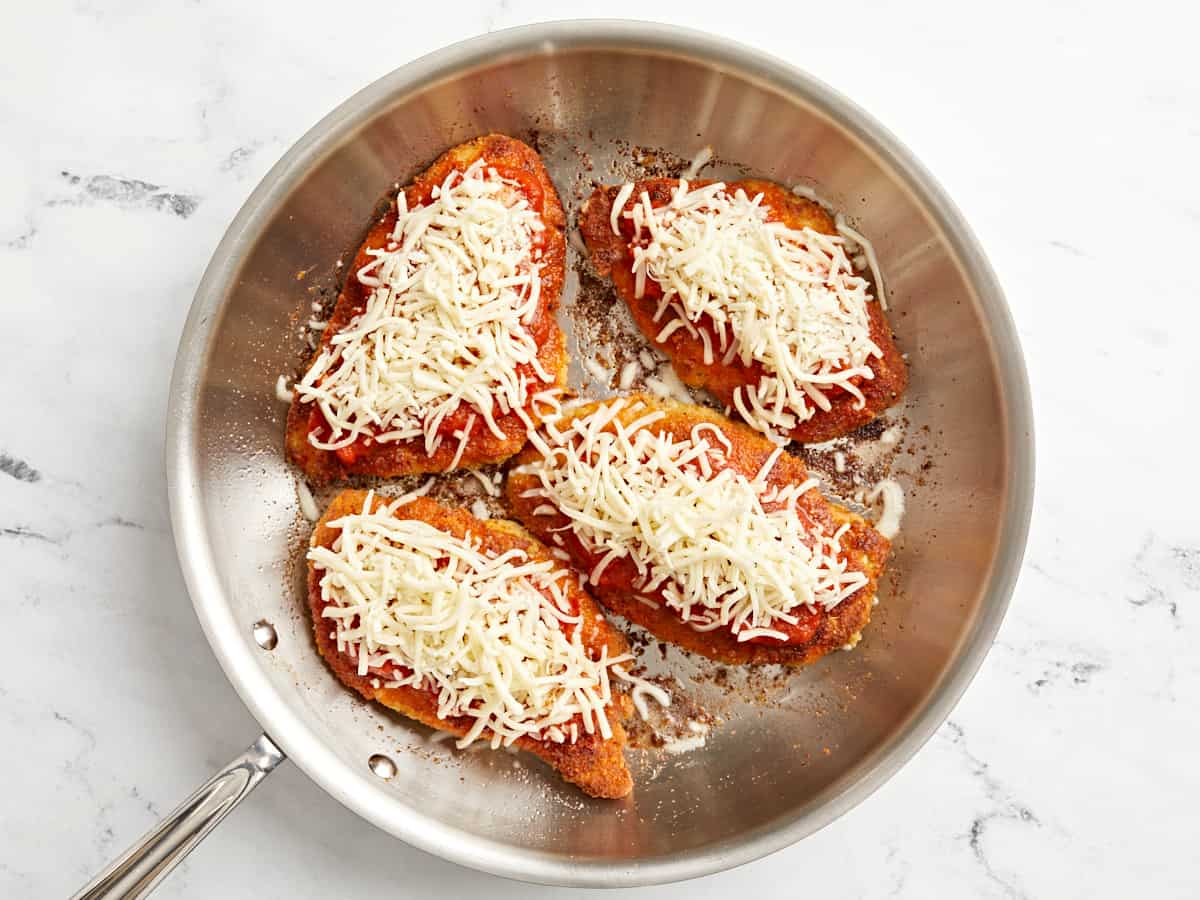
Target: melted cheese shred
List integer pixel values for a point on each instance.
(484, 632)
(720, 549)
(783, 299)
(452, 297)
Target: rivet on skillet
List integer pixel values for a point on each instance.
(265, 635)
(382, 766)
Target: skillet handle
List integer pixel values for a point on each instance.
(140, 868)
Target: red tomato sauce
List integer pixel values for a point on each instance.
(529, 185)
(391, 671)
(653, 291)
(621, 575)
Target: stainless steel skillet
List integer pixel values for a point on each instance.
(592, 94)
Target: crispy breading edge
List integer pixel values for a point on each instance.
(867, 548)
(483, 447)
(611, 258)
(596, 765)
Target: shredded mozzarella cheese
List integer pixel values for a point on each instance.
(687, 744)
(888, 495)
(308, 505)
(673, 384)
(787, 300)
(806, 191)
(486, 633)
(629, 374)
(452, 297)
(720, 549)
(699, 161)
(868, 251)
(641, 688)
(596, 370)
(485, 482)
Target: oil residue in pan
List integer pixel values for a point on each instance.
(610, 357)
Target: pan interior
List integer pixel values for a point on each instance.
(793, 756)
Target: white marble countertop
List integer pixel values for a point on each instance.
(1068, 134)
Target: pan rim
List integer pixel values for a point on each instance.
(292, 733)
